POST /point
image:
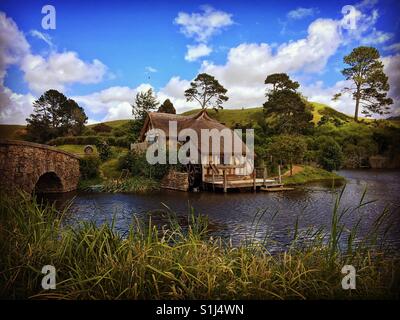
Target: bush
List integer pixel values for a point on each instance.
(82, 140)
(89, 167)
(102, 127)
(104, 150)
(137, 164)
(330, 155)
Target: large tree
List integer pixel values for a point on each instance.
(286, 111)
(144, 102)
(54, 115)
(167, 107)
(281, 81)
(207, 91)
(369, 82)
(288, 149)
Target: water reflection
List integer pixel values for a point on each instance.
(232, 214)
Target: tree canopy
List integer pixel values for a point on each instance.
(54, 115)
(369, 82)
(144, 102)
(285, 109)
(207, 91)
(281, 81)
(167, 107)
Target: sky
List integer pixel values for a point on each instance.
(101, 53)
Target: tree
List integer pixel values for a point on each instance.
(104, 150)
(369, 82)
(207, 91)
(167, 107)
(281, 81)
(288, 148)
(286, 110)
(329, 155)
(54, 115)
(144, 102)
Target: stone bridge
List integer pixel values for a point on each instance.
(38, 168)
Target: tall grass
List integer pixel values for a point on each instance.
(174, 262)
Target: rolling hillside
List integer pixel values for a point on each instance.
(243, 116)
(229, 117)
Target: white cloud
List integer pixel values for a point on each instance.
(59, 70)
(197, 51)
(17, 107)
(248, 64)
(392, 70)
(56, 71)
(202, 26)
(376, 37)
(151, 69)
(13, 45)
(114, 102)
(393, 47)
(301, 13)
(42, 36)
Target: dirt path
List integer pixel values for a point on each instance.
(296, 169)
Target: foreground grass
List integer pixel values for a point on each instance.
(310, 174)
(173, 262)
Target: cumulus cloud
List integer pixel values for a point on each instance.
(202, 26)
(248, 64)
(392, 70)
(59, 70)
(301, 13)
(55, 71)
(14, 107)
(197, 51)
(112, 103)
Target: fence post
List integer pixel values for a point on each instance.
(225, 182)
(213, 178)
(254, 179)
(264, 175)
(279, 172)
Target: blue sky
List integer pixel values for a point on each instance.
(101, 53)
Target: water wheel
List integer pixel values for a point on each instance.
(194, 175)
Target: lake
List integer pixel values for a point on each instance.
(231, 215)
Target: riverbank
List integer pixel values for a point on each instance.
(310, 174)
(177, 261)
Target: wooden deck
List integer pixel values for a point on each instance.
(226, 181)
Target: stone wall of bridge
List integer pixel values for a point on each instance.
(28, 166)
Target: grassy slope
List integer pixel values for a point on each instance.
(243, 116)
(310, 174)
(112, 124)
(11, 131)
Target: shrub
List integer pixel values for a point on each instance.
(104, 150)
(82, 140)
(89, 167)
(330, 155)
(137, 164)
(102, 127)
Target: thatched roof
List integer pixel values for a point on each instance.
(201, 120)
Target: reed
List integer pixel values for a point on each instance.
(179, 261)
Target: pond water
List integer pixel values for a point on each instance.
(232, 215)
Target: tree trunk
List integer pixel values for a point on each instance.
(357, 104)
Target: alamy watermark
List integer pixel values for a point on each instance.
(203, 146)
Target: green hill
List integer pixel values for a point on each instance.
(244, 116)
(12, 131)
(112, 124)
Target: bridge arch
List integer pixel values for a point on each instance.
(33, 167)
(48, 182)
